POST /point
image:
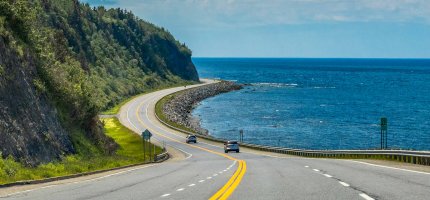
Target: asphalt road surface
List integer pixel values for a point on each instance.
(205, 172)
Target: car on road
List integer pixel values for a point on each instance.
(191, 138)
(231, 146)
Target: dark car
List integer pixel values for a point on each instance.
(231, 146)
(191, 138)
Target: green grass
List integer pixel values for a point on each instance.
(88, 159)
(159, 111)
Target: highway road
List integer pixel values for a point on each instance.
(205, 172)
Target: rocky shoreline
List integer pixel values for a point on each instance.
(179, 108)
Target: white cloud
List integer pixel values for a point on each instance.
(246, 13)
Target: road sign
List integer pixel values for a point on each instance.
(146, 135)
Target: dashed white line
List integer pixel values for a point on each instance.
(180, 189)
(201, 181)
(387, 167)
(189, 154)
(328, 175)
(215, 175)
(224, 170)
(220, 172)
(317, 170)
(344, 184)
(191, 185)
(209, 177)
(306, 166)
(365, 196)
(165, 195)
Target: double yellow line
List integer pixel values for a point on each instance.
(231, 184)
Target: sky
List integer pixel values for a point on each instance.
(291, 28)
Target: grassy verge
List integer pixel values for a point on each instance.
(114, 110)
(130, 152)
(159, 111)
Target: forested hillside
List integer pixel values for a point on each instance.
(62, 62)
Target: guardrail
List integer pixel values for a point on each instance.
(415, 157)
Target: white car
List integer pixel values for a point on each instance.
(231, 146)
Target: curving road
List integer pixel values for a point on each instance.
(204, 172)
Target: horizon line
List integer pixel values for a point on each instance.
(376, 58)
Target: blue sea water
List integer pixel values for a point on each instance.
(320, 103)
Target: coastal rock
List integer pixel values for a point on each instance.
(179, 108)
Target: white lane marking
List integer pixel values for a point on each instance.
(191, 185)
(180, 189)
(344, 184)
(165, 195)
(365, 196)
(232, 164)
(306, 166)
(189, 154)
(328, 175)
(128, 119)
(84, 181)
(224, 170)
(317, 170)
(220, 172)
(208, 177)
(215, 175)
(375, 165)
(201, 181)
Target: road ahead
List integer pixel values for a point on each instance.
(206, 172)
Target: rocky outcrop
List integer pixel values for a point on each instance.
(29, 125)
(179, 108)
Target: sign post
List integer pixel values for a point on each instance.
(146, 136)
(241, 136)
(384, 128)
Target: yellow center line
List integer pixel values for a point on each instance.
(231, 184)
(235, 183)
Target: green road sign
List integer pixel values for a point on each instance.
(146, 135)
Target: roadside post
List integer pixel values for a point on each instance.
(146, 136)
(384, 128)
(241, 136)
(153, 153)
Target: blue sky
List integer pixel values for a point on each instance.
(291, 28)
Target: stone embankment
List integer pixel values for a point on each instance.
(179, 108)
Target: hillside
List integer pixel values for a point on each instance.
(62, 62)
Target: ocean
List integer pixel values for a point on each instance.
(319, 103)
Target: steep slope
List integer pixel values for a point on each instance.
(61, 62)
(29, 127)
